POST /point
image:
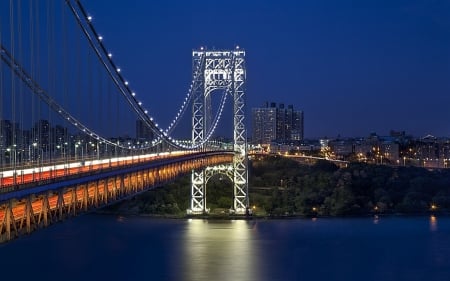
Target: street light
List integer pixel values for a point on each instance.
(13, 164)
(92, 148)
(78, 144)
(64, 148)
(58, 147)
(32, 156)
(98, 150)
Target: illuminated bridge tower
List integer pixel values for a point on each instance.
(223, 71)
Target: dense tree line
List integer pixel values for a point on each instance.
(281, 186)
(324, 189)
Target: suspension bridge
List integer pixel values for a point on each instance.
(66, 113)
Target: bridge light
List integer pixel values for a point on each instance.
(126, 83)
(100, 38)
(118, 70)
(89, 18)
(140, 103)
(133, 94)
(110, 55)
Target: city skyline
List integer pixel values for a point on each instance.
(353, 68)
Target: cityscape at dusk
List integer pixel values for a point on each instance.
(239, 140)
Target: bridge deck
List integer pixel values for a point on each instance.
(27, 208)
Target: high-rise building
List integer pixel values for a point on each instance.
(279, 124)
(42, 134)
(143, 132)
(264, 124)
(6, 133)
(59, 135)
(297, 125)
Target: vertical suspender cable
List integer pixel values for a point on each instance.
(90, 113)
(108, 116)
(101, 106)
(20, 145)
(78, 81)
(31, 102)
(112, 129)
(38, 70)
(50, 53)
(2, 133)
(13, 91)
(37, 126)
(64, 143)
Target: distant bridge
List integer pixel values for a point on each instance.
(308, 160)
(313, 159)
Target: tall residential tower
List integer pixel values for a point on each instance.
(276, 124)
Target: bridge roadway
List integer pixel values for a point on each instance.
(34, 199)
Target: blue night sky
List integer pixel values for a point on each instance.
(353, 67)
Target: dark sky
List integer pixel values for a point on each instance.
(353, 67)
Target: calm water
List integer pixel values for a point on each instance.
(100, 247)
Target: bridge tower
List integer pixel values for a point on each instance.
(220, 70)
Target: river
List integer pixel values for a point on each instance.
(107, 247)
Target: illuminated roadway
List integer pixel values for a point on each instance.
(37, 174)
(36, 195)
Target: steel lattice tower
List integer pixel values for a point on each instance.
(220, 70)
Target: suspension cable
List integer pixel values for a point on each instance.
(36, 89)
(95, 41)
(119, 81)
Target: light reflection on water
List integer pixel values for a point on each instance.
(433, 223)
(376, 219)
(96, 247)
(220, 250)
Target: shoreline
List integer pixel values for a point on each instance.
(267, 217)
